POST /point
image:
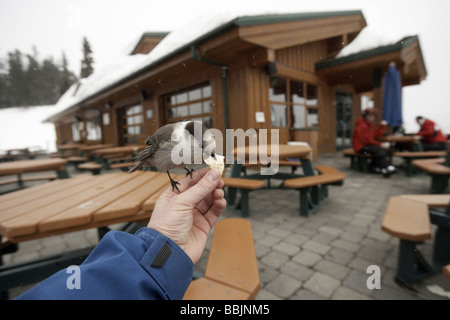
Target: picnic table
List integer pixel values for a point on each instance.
(111, 158)
(130, 149)
(17, 154)
(117, 157)
(415, 140)
(439, 171)
(409, 217)
(282, 151)
(312, 184)
(21, 167)
(78, 203)
(413, 143)
(89, 150)
(69, 149)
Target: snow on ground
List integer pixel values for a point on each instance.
(22, 127)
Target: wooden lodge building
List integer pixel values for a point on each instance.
(261, 72)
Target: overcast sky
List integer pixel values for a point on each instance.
(112, 27)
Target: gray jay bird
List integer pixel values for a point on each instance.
(177, 145)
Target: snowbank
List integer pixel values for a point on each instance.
(23, 128)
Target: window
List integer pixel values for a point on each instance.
(132, 123)
(76, 132)
(278, 102)
(93, 128)
(191, 104)
(293, 103)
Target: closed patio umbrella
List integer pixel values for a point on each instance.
(392, 97)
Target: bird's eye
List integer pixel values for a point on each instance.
(213, 154)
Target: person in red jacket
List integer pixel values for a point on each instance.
(365, 141)
(432, 137)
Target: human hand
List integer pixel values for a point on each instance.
(383, 123)
(187, 217)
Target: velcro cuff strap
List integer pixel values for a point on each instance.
(162, 256)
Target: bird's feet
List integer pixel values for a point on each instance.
(173, 183)
(189, 172)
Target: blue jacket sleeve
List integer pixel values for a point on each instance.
(146, 265)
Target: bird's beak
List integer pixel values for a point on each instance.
(213, 155)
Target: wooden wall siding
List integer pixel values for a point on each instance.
(237, 104)
(310, 137)
(150, 125)
(64, 133)
(248, 94)
(302, 57)
(218, 114)
(109, 131)
(326, 138)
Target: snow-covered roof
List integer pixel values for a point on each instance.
(369, 42)
(196, 30)
(368, 39)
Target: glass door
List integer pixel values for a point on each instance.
(344, 124)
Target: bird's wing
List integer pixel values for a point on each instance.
(162, 135)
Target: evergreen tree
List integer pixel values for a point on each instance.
(67, 77)
(50, 78)
(32, 84)
(16, 79)
(4, 90)
(87, 67)
(25, 81)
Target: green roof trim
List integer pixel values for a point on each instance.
(289, 17)
(368, 53)
(155, 34)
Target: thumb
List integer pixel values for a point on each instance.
(204, 187)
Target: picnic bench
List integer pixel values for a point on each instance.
(409, 218)
(92, 166)
(75, 161)
(314, 189)
(114, 158)
(358, 161)
(95, 168)
(293, 164)
(243, 186)
(232, 268)
(32, 170)
(438, 170)
(409, 156)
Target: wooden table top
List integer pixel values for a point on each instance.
(399, 138)
(122, 149)
(283, 151)
(78, 203)
(433, 165)
(95, 147)
(70, 146)
(35, 165)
